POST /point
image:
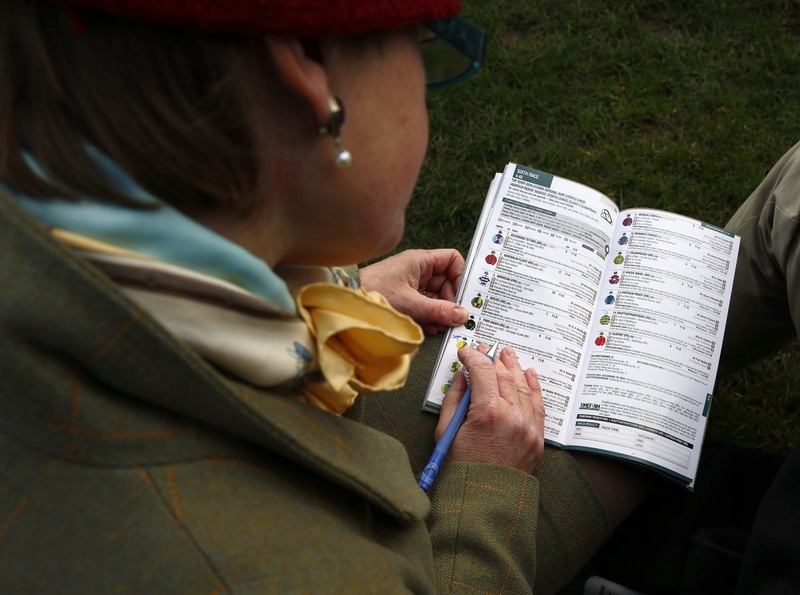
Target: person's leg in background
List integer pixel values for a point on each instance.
(764, 315)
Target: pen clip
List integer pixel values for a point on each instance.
(493, 350)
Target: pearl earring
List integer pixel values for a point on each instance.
(343, 157)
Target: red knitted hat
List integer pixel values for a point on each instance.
(303, 18)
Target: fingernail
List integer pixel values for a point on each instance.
(459, 315)
(510, 351)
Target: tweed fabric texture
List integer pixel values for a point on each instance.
(127, 464)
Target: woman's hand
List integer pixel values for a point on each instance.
(505, 422)
(421, 284)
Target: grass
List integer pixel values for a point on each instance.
(670, 104)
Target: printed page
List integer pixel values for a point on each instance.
(531, 281)
(655, 340)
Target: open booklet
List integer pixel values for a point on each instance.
(621, 313)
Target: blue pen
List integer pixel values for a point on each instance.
(432, 468)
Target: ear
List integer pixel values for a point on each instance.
(301, 73)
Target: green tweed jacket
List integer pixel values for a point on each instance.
(130, 465)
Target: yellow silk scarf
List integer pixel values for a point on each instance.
(345, 341)
(363, 344)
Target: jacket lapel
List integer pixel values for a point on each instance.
(87, 366)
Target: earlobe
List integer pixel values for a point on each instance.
(301, 73)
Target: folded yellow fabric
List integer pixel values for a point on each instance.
(363, 344)
(346, 340)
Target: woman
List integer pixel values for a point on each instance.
(176, 351)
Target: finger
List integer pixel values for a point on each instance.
(481, 348)
(523, 392)
(537, 402)
(449, 289)
(430, 312)
(442, 286)
(432, 329)
(452, 398)
(440, 273)
(481, 373)
(435, 287)
(507, 384)
(445, 261)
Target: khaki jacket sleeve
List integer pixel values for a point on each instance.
(483, 523)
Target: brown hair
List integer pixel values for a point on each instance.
(169, 105)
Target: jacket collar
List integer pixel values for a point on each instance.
(90, 377)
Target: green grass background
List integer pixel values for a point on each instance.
(671, 104)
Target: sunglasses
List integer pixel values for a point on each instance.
(453, 50)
